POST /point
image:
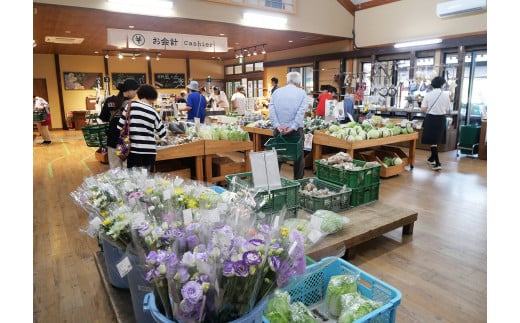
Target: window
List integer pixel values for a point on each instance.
(286, 6)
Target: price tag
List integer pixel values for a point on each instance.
(314, 236)
(316, 222)
(187, 215)
(124, 267)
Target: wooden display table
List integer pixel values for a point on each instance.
(213, 147)
(367, 222)
(193, 149)
(259, 136)
(321, 139)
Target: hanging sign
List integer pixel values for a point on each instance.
(166, 41)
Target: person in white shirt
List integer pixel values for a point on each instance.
(436, 105)
(220, 99)
(43, 126)
(239, 101)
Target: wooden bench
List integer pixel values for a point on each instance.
(366, 223)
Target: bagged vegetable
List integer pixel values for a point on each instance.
(301, 314)
(339, 285)
(355, 306)
(331, 222)
(278, 309)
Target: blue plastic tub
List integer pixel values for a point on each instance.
(255, 316)
(139, 287)
(113, 255)
(312, 288)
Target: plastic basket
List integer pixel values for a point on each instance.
(95, 134)
(39, 116)
(311, 290)
(254, 316)
(287, 147)
(364, 195)
(335, 202)
(275, 199)
(352, 178)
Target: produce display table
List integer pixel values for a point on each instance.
(259, 136)
(367, 222)
(322, 139)
(213, 147)
(193, 149)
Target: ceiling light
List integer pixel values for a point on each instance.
(255, 53)
(147, 57)
(63, 40)
(133, 57)
(164, 4)
(34, 43)
(157, 56)
(120, 56)
(263, 49)
(106, 56)
(418, 43)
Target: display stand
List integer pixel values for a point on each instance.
(367, 222)
(214, 147)
(322, 139)
(193, 149)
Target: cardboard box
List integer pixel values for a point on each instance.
(182, 173)
(379, 155)
(399, 153)
(102, 155)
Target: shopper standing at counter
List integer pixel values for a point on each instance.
(111, 112)
(286, 111)
(436, 105)
(220, 99)
(144, 124)
(238, 101)
(195, 103)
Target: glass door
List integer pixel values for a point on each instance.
(473, 102)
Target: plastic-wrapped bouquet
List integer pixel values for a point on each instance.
(208, 264)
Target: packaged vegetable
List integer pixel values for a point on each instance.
(338, 286)
(355, 306)
(331, 222)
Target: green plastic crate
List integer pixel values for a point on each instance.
(287, 147)
(335, 202)
(352, 178)
(275, 199)
(364, 195)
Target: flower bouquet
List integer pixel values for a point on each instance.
(210, 257)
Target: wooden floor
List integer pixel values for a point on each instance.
(441, 270)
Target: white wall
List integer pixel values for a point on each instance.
(408, 20)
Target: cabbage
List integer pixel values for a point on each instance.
(373, 134)
(338, 286)
(334, 128)
(397, 161)
(352, 124)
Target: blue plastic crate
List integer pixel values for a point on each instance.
(312, 288)
(254, 316)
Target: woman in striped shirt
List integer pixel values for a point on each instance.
(145, 124)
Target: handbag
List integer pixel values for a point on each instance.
(123, 143)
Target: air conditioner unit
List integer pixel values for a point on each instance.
(63, 40)
(458, 7)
